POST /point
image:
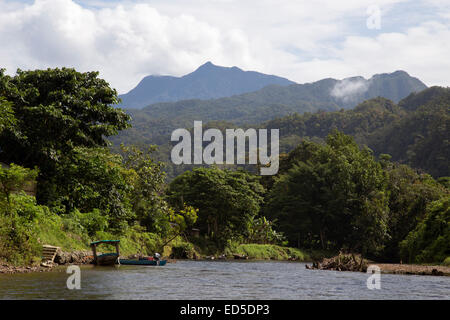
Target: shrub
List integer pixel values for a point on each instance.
(18, 241)
(184, 250)
(446, 262)
(89, 222)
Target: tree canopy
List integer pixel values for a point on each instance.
(56, 111)
(227, 200)
(332, 197)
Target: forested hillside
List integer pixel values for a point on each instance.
(414, 132)
(155, 123)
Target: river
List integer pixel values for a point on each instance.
(219, 280)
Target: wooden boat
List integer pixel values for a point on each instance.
(142, 262)
(106, 259)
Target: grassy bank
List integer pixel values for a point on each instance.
(23, 233)
(268, 252)
(203, 247)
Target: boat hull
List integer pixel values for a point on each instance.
(142, 262)
(108, 259)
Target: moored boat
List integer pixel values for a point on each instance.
(142, 262)
(106, 259)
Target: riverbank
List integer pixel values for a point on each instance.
(434, 270)
(354, 262)
(179, 249)
(7, 268)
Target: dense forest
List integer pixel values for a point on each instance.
(332, 192)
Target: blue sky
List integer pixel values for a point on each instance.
(301, 40)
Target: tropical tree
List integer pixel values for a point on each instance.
(7, 119)
(430, 240)
(147, 181)
(226, 200)
(333, 196)
(12, 179)
(56, 111)
(410, 193)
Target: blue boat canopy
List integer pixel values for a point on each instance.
(104, 241)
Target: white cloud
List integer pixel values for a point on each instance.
(301, 40)
(421, 51)
(124, 43)
(348, 89)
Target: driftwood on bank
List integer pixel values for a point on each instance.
(341, 262)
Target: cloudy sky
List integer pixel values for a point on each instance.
(301, 40)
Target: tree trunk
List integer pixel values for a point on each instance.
(321, 239)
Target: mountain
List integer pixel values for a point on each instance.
(207, 82)
(394, 86)
(154, 123)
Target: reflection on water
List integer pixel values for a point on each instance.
(219, 280)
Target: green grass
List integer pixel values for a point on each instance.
(50, 230)
(55, 230)
(268, 251)
(38, 225)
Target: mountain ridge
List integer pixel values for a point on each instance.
(155, 122)
(208, 81)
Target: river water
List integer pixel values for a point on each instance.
(202, 280)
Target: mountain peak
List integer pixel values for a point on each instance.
(207, 66)
(392, 74)
(209, 81)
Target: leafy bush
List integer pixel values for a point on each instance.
(184, 250)
(89, 222)
(18, 242)
(446, 262)
(261, 230)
